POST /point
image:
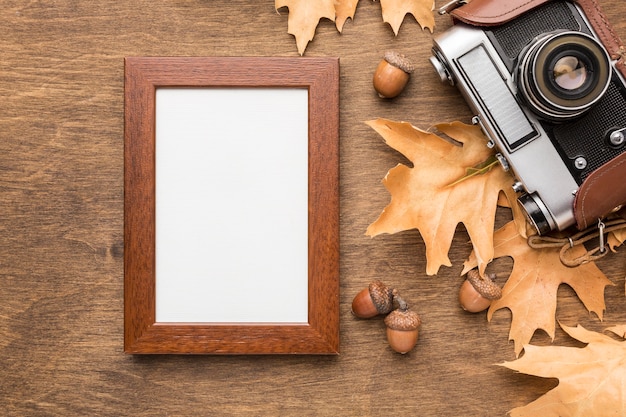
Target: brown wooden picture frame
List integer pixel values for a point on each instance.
(142, 333)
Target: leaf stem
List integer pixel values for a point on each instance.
(402, 305)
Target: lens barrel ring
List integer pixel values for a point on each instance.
(582, 82)
(578, 46)
(537, 81)
(536, 212)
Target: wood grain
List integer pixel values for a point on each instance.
(61, 263)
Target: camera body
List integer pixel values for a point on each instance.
(545, 91)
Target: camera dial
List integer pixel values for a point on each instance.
(438, 63)
(536, 212)
(563, 74)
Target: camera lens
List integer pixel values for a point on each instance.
(563, 74)
(570, 73)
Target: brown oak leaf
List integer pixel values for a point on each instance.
(619, 330)
(531, 290)
(616, 239)
(616, 224)
(344, 10)
(591, 379)
(395, 10)
(441, 190)
(304, 16)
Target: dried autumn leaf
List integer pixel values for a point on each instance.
(619, 330)
(395, 10)
(531, 290)
(304, 16)
(429, 197)
(616, 239)
(344, 9)
(591, 379)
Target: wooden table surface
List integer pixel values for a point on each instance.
(61, 251)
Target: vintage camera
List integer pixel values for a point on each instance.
(547, 95)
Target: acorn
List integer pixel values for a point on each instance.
(477, 293)
(376, 299)
(392, 74)
(402, 329)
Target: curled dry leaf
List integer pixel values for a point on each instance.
(617, 236)
(591, 379)
(616, 239)
(531, 290)
(431, 196)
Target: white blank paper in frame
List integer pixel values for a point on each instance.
(231, 205)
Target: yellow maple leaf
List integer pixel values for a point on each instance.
(531, 290)
(431, 198)
(591, 379)
(304, 16)
(394, 12)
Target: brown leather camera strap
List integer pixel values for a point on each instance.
(602, 191)
(497, 12)
(493, 12)
(605, 32)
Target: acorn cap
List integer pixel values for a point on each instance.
(399, 60)
(403, 320)
(382, 296)
(484, 285)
